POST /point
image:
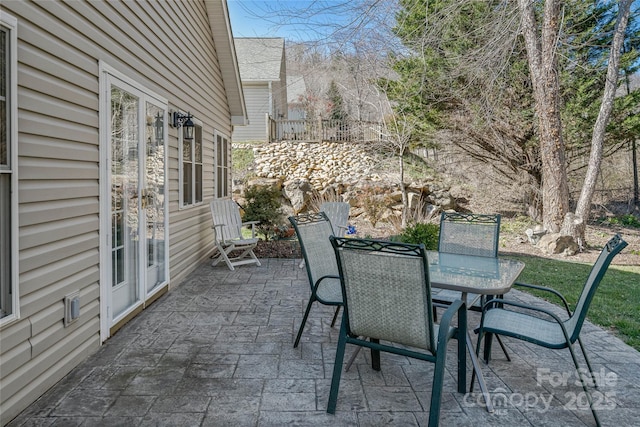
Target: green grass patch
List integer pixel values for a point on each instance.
(616, 304)
(241, 159)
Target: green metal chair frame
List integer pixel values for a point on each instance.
(338, 214)
(313, 231)
(543, 327)
(469, 234)
(387, 297)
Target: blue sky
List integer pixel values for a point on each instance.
(259, 18)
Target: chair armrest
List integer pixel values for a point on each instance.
(252, 224)
(544, 288)
(524, 307)
(456, 306)
(328, 276)
(216, 231)
(341, 230)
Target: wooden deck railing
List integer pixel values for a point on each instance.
(324, 130)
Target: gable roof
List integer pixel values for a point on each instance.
(223, 39)
(260, 58)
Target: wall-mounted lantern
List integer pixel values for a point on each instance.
(181, 120)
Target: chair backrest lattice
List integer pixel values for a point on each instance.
(338, 214)
(469, 234)
(610, 250)
(386, 291)
(227, 213)
(313, 231)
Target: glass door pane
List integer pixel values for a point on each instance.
(125, 200)
(153, 200)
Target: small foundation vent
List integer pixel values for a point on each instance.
(71, 308)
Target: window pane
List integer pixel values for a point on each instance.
(198, 145)
(218, 150)
(4, 53)
(186, 151)
(186, 184)
(198, 183)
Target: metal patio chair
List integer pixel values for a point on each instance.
(387, 297)
(542, 327)
(227, 234)
(468, 234)
(313, 231)
(338, 214)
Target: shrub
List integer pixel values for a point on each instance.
(426, 233)
(263, 204)
(627, 220)
(374, 207)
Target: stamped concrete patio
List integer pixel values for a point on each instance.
(217, 351)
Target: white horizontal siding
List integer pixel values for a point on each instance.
(166, 47)
(257, 99)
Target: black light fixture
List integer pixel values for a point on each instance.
(159, 125)
(184, 121)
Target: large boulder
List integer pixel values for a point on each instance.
(556, 243)
(298, 191)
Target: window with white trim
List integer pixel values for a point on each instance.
(223, 171)
(8, 164)
(191, 167)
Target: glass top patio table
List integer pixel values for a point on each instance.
(472, 274)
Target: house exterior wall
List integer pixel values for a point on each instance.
(280, 97)
(258, 100)
(165, 46)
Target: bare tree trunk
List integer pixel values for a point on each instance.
(576, 228)
(541, 54)
(403, 190)
(634, 163)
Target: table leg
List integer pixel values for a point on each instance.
(476, 365)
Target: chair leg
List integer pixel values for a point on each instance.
(488, 343)
(584, 384)
(352, 358)
(586, 359)
(335, 316)
(304, 320)
(223, 256)
(337, 370)
(504, 349)
(375, 355)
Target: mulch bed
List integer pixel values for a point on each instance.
(278, 249)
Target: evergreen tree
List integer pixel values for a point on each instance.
(336, 108)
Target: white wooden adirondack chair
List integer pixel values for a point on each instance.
(338, 213)
(227, 233)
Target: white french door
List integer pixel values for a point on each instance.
(133, 204)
